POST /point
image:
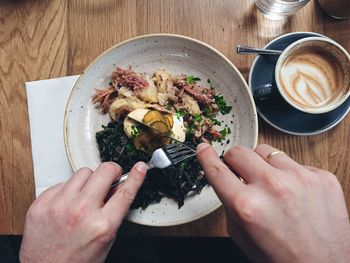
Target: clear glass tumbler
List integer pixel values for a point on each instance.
(279, 9)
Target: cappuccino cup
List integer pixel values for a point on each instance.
(312, 75)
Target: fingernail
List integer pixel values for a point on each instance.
(141, 167)
(202, 146)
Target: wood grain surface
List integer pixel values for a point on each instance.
(42, 39)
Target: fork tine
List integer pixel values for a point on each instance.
(180, 152)
(172, 145)
(175, 149)
(183, 157)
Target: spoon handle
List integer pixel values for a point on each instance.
(260, 51)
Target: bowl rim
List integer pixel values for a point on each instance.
(239, 74)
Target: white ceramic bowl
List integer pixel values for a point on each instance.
(177, 54)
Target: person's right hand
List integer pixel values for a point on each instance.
(75, 221)
(285, 212)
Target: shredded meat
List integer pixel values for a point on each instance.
(128, 78)
(201, 94)
(214, 133)
(121, 78)
(104, 97)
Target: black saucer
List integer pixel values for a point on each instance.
(278, 113)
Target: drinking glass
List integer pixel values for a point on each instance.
(279, 9)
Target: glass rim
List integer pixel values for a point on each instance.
(296, 2)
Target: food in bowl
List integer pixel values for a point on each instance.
(176, 105)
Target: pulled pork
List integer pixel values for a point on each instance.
(120, 78)
(128, 78)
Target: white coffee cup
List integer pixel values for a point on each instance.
(313, 75)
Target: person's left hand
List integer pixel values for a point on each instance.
(71, 222)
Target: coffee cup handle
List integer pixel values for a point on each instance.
(263, 91)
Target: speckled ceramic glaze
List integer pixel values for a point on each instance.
(177, 54)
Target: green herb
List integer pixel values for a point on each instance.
(222, 105)
(224, 132)
(208, 80)
(207, 111)
(192, 79)
(216, 122)
(198, 117)
(180, 113)
(134, 131)
(191, 127)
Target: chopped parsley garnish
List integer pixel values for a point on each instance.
(216, 122)
(222, 105)
(134, 131)
(191, 127)
(180, 113)
(224, 132)
(207, 111)
(192, 79)
(208, 80)
(198, 117)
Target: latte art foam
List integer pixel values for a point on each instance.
(312, 79)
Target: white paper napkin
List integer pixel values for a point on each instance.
(46, 105)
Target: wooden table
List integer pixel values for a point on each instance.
(41, 39)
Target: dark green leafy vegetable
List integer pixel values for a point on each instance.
(174, 182)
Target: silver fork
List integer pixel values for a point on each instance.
(164, 157)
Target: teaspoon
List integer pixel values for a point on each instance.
(259, 51)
